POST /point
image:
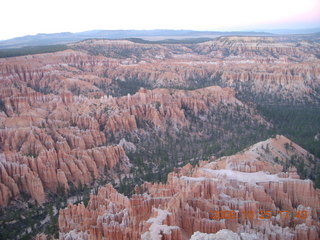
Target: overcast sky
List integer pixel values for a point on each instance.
(28, 17)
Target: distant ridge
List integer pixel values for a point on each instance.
(294, 31)
(156, 35)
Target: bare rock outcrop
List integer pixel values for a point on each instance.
(198, 201)
(281, 68)
(52, 141)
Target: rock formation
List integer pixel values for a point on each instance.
(281, 68)
(249, 183)
(45, 146)
(68, 119)
(50, 141)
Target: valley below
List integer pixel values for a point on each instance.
(130, 139)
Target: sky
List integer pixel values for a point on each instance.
(29, 17)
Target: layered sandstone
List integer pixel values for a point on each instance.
(45, 146)
(285, 68)
(60, 140)
(62, 115)
(246, 182)
(58, 110)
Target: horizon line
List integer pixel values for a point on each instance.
(253, 30)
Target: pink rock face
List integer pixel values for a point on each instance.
(59, 105)
(287, 69)
(50, 141)
(52, 168)
(248, 182)
(48, 153)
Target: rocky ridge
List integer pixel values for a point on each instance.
(247, 181)
(71, 118)
(288, 66)
(52, 141)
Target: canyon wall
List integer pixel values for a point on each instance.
(248, 182)
(49, 141)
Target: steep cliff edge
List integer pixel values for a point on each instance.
(46, 146)
(49, 142)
